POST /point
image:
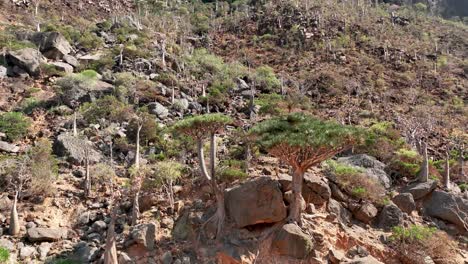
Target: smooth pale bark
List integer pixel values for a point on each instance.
(75, 130)
(295, 207)
(424, 172)
(14, 220)
(447, 172)
(137, 155)
(213, 155)
(461, 160)
(201, 160)
(135, 209)
(87, 174)
(110, 251)
(220, 214)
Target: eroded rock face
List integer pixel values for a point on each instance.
(255, 202)
(365, 213)
(405, 202)
(28, 59)
(448, 207)
(420, 189)
(291, 241)
(46, 234)
(74, 149)
(372, 167)
(52, 44)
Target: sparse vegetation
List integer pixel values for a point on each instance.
(4, 255)
(15, 125)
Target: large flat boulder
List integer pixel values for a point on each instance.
(255, 202)
(448, 207)
(53, 45)
(291, 241)
(38, 234)
(28, 59)
(372, 167)
(74, 149)
(420, 189)
(74, 90)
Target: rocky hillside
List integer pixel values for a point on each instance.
(245, 131)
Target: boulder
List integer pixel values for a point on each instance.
(85, 253)
(343, 215)
(74, 149)
(62, 67)
(99, 226)
(77, 91)
(254, 202)
(184, 226)
(43, 250)
(365, 213)
(142, 236)
(7, 147)
(71, 60)
(158, 109)
(448, 207)
(390, 216)
(291, 241)
(5, 243)
(27, 252)
(372, 167)
(420, 189)
(405, 202)
(28, 59)
(52, 44)
(182, 104)
(315, 189)
(46, 234)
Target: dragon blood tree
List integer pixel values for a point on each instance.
(303, 141)
(201, 128)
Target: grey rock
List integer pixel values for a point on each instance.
(143, 235)
(5, 243)
(337, 194)
(405, 202)
(420, 189)
(343, 214)
(3, 72)
(46, 234)
(365, 213)
(183, 228)
(158, 109)
(71, 60)
(167, 258)
(291, 241)
(372, 167)
(99, 226)
(75, 90)
(390, 216)
(84, 253)
(181, 104)
(52, 44)
(314, 188)
(7, 147)
(74, 149)
(28, 59)
(27, 252)
(62, 66)
(448, 207)
(43, 250)
(256, 201)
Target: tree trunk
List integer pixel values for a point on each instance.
(212, 155)
(220, 211)
(201, 160)
(171, 194)
(295, 207)
(462, 164)
(75, 131)
(137, 155)
(447, 172)
(14, 220)
(135, 209)
(110, 253)
(87, 174)
(424, 172)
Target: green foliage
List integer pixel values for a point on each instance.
(15, 125)
(29, 104)
(359, 192)
(102, 174)
(108, 107)
(201, 126)
(231, 170)
(200, 23)
(44, 168)
(269, 103)
(167, 172)
(149, 131)
(412, 233)
(265, 77)
(4, 255)
(420, 7)
(341, 169)
(10, 42)
(405, 163)
(463, 186)
(84, 80)
(306, 132)
(90, 41)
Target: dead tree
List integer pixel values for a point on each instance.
(14, 221)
